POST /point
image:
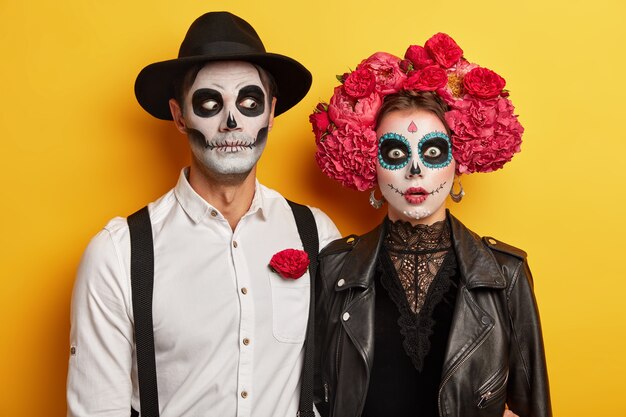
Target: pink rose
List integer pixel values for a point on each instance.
(359, 83)
(427, 79)
(483, 83)
(454, 90)
(386, 68)
(444, 50)
(290, 263)
(344, 109)
(348, 155)
(319, 120)
(486, 133)
(418, 56)
(463, 67)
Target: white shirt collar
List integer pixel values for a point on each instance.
(198, 209)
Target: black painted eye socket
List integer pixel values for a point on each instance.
(207, 102)
(393, 153)
(251, 101)
(435, 150)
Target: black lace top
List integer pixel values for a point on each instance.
(416, 286)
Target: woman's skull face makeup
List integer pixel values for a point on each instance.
(227, 114)
(415, 168)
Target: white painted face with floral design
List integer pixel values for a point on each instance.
(415, 169)
(227, 117)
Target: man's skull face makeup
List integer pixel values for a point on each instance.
(415, 168)
(227, 114)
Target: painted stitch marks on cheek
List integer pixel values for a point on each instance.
(417, 190)
(433, 192)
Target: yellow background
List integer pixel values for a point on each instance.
(77, 150)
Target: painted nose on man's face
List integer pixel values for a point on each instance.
(229, 122)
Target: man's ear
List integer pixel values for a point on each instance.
(270, 122)
(177, 116)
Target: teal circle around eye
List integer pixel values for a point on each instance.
(429, 136)
(402, 139)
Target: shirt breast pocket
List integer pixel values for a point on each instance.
(290, 307)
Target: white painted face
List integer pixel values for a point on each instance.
(415, 167)
(227, 117)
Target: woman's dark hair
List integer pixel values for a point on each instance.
(416, 100)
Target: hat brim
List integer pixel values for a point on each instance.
(155, 83)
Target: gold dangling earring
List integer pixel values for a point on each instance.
(374, 202)
(457, 197)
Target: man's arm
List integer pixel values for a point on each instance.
(101, 338)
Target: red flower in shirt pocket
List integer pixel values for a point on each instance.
(290, 263)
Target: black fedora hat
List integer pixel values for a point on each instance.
(220, 36)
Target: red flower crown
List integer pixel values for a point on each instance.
(485, 131)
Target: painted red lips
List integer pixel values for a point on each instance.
(415, 195)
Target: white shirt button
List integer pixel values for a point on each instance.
(346, 316)
(234, 243)
(244, 394)
(213, 213)
(341, 282)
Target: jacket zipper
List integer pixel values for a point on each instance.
(493, 391)
(325, 391)
(453, 370)
(484, 398)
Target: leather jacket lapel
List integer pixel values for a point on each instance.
(360, 265)
(477, 264)
(470, 323)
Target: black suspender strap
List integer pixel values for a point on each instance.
(305, 221)
(142, 280)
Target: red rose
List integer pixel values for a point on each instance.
(418, 56)
(386, 68)
(319, 120)
(483, 83)
(344, 109)
(348, 155)
(444, 50)
(427, 79)
(290, 263)
(359, 83)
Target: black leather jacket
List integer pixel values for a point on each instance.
(495, 350)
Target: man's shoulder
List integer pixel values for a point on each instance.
(117, 227)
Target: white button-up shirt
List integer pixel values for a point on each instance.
(228, 331)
